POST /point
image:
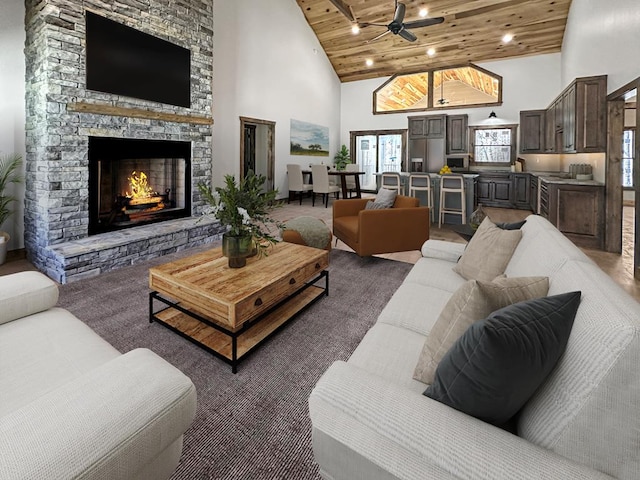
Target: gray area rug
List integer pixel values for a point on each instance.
(255, 424)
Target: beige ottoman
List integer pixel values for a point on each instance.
(309, 231)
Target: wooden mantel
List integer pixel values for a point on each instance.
(137, 113)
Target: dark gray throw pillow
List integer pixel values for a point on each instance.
(510, 226)
(499, 362)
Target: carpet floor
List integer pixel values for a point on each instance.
(254, 424)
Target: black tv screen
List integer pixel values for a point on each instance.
(125, 61)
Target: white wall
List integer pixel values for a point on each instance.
(528, 83)
(269, 65)
(602, 38)
(12, 111)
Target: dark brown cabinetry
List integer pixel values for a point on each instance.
(495, 189)
(579, 120)
(457, 133)
(521, 190)
(578, 212)
(507, 190)
(533, 193)
(532, 131)
(427, 126)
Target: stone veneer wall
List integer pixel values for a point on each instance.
(56, 203)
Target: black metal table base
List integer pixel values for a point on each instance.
(234, 360)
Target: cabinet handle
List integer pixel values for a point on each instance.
(292, 281)
(258, 302)
(317, 266)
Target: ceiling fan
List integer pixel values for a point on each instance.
(399, 27)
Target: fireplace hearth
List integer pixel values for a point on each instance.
(135, 182)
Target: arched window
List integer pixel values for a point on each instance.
(458, 87)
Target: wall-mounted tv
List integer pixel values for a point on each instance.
(125, 61)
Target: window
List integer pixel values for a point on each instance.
(378, 151)
(437, 89)
(493, 144)
(628, 149)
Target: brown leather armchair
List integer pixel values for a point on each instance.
(369, 232)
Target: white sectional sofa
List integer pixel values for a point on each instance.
(371, 420)
(72, 406)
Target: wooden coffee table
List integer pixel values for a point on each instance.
(228, 311)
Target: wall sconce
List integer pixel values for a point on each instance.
(492, 114)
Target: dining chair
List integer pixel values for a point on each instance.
(321, 184)
(392, 181)
(350, 179)
(421, 182)
(296, 182)
(452, 184)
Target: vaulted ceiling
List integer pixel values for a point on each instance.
(472, 31)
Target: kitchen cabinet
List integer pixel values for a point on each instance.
(532, 131)
(426, 143)
(575, 122)
(569, 124)
(533, 193)
(495, 189)
(578, 212)
(550, 130)
(457, 137)
(521, 190)
(427, 126)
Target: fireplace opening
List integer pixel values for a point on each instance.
(137, 182)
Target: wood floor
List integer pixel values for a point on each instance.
(619, 267)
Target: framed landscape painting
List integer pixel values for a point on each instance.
(309, 139)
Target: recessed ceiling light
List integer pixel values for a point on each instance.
(507, 38)
(369, 62)
(431, 51)
(424, 12)
(355, 29)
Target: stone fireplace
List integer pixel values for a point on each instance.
(78, 220)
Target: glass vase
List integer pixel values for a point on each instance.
(237, 249)
(476, 218)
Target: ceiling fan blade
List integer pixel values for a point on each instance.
(367, 24)
(425, 22)
(344, 9)
(407, 35)
(379, 36)
(399, 15)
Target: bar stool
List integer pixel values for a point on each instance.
(392, 181)
(421, 182)
(452, 184)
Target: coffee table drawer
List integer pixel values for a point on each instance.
(270, 295)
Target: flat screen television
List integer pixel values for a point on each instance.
(124, 61)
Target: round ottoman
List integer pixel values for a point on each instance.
(309, 231)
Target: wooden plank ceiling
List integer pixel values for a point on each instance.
(471, 32)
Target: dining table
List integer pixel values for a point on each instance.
(343, 174)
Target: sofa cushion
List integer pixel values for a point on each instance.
(488, 252)
(384, 199)
(60, 349)
(472, 302)
(499, 362)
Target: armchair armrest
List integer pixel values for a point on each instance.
(108, 423)
(25, 293)
(348, 207)
(413, 436)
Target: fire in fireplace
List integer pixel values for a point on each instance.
(136, 182)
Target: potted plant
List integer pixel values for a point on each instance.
(10, 172)
(342, 158)
(243, 207)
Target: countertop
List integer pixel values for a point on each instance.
(559, 178)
